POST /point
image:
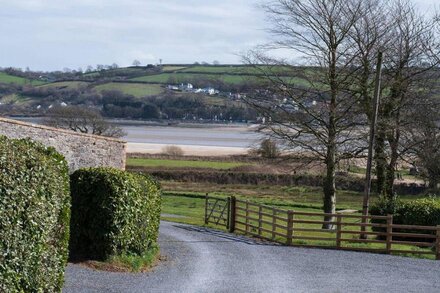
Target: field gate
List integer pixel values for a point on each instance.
(220, 211)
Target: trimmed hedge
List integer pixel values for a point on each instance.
(420, 212)
(34, 217)
(113, 213)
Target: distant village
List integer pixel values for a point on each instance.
(189, 88)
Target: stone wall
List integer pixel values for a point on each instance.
(80, 150)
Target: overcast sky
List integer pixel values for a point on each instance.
(54, 34)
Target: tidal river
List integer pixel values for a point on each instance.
(194, 139)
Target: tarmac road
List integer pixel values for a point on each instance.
(206, 260)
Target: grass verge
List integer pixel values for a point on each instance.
(127, 263)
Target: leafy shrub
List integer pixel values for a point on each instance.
(420, 212)
(269, 149)
(113, 213)
(34, 217)
(173, 150)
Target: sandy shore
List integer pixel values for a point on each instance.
(190, 150)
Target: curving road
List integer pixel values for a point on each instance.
(205, 260)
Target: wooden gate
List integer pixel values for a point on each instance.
(218, 211)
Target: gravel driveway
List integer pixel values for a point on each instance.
(205, 260)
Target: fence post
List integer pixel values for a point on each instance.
(228, 212)
(206, 209)
(338, 231)
(289, 227)
(389, 232)
(232, 214)
(274, 222)
(437, 244)
(260, 219)
(247, 217)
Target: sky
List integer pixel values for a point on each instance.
(56, 34)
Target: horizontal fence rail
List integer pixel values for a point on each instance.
(337, 231)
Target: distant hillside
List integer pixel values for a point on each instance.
(135, 92)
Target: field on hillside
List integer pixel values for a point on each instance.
(213, 79)
(6, 78)
(65, 85)
(134, 89)
(15, 99)
(175, 78)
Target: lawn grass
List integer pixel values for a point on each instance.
(135, 89)
(6, 78)
(142, 162)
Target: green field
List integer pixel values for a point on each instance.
(70, 85)
(6, 78)
(184, 202)
(135, 89)
(248, 70)
(189, 77)
(15, 99)
(189, 208)
(218, 69)
(138, 162)
(172, 68)
(176, 78)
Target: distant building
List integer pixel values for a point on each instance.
(172, 87)
(186, 87)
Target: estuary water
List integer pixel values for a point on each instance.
(195, 139)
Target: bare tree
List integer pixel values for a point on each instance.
(426, 132)
(136, 63)
(318, 117)
(411, 56)
(82, 120)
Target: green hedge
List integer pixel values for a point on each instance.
(420, 212)
(113, 213)
(34, 217)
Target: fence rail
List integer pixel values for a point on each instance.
(337, 231)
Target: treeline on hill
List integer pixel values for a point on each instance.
(171, 106)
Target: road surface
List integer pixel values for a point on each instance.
(205, 260)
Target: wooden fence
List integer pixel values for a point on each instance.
(290, 227)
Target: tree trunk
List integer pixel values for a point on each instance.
(380, 159)
(393, 140)
(330, 190)
(330, 160)
(433, 182)
(329, 181)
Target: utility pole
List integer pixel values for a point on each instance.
(366, 201)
